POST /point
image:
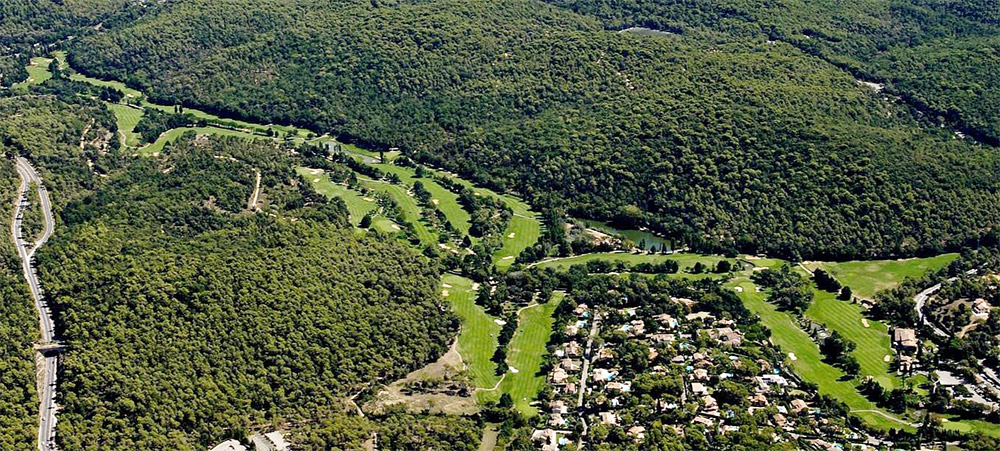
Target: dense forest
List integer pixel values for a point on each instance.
(192, 320)
(723, 142)
(18, 399)
(45, 129)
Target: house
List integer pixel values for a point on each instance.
(571, 329)
(710, 403)
(548, 438)
(569, 364)
(580, 309)
(700, 374)
(557, 421)
(559, 376)
(799, 405)
(572, 349)
(571, 388)
(603, 375)
(637, 432)
(904, 339)
(653, 354)
(623, 387)
(699, 316)
(558, 407)
(758, 400)
(780, 420)
(698, 389)
(666, 320)
(662, 338)
(608, 418)
(605, 354)
(230, 445)
(707, 422)
(981, 308)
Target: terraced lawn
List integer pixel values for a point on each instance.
(408, 205)
(171, 135)
(447, 201)
(477, 340)
(526, 351)
(873, 343)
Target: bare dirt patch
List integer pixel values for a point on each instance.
(440, 387)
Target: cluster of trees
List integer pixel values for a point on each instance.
(722, 143)
(396, 430)
(604, 266)
(788, 289)
(826, 282)
(837, 350)
(937, 55)
(154, 122)
(895, 400)
(270, 317)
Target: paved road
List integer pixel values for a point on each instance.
(922, 297)
(26, 251)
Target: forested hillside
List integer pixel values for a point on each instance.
(940, 54)
(46, 129)
(192, 319)
(18, 399)
(715, 140)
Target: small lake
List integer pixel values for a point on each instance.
(636, 236)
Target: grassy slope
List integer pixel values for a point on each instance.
(127, 118)
(357, 207)
(408, 205)
(868, 277)
(808, 364)
(525, 352)
(478, 338)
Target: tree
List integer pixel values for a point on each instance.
(723, 266)
(366, 221)
(846, 294)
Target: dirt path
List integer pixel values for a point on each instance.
(252, 203)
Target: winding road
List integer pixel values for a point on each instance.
(48, 345)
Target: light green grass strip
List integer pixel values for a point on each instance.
(357, 206)
(869, 277)
(478, 340)
(525, 353)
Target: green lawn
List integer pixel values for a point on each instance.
(126, 117)
(808, 362)
(357, 206)
(526, 351)
(408, 205)
(521, 233)
(478, 339)
(171, 135)
(873, 343)
(869, 277)
(447, 200)
(684, 260)
(985, 427)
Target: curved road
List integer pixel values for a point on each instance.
(26, 251)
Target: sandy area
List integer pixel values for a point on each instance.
(791, 356)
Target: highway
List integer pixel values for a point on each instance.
(26, 251)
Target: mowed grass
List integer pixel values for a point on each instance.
(685, 261)
(521, 233)
(408, 206)
(171, 135)
(478, 338)
(447, 201)
(808, 362)
(966, 426)
(873, 343)
(869, 277)
(525, 353)
(357, 206)
(127, 118)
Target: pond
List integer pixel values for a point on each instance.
(636, 236)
